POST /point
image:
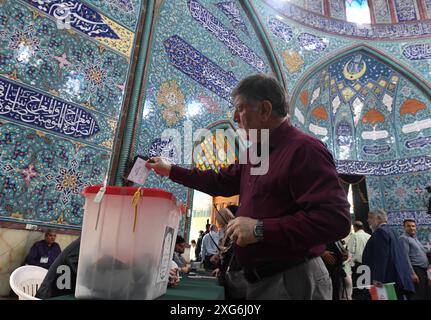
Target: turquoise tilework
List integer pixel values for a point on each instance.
(315, 6)
(32, 108)
(324, 105)
(338, 9)
(33, 50)
(381, 11)
(42, 175)
(420, 64)
(125, 12)
(414, 28)
(299, 3)
(428, 7)
(399, 192)
(377, 117)
(193, 89)
(412, 116)
(61, 94)
(295, 59)
(402, 196)
(406, 10)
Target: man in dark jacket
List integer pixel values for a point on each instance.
(68, 259)
(385, 256)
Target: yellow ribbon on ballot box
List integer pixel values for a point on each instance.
(135, 201)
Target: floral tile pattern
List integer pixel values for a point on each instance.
(61, 94)
(34, 51)
(42, 175)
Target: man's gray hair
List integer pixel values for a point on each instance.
(380, 213)
(259, 87)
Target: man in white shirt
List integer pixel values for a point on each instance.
(210, 247)
(356, 245)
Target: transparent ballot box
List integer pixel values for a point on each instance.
(127, 243)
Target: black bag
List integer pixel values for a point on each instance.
(235, 285)
(233, 281)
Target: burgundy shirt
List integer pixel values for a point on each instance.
(300, 201)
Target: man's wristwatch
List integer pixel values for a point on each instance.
(258, 230)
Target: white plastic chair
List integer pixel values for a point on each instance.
(26, 280)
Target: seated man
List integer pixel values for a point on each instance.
(210, 249)
(68, 258)
(44, 252)
(180, 245)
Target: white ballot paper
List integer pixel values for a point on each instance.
(139, 172)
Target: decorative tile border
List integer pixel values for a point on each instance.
(75, 14)
(226, 36)
(419, 51)
(198, 67)
(397, 217)
(344, 28)
(33, 108)
(385, 168)
(125, 11)
(230, 9)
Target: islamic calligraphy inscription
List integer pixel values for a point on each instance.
(281, 30)
(33, 108)
(231, 10)
(194, 64)
(385, 168)
(77, 15)
(419, 142)
(226, 36)
(417, 51)
(376, 149)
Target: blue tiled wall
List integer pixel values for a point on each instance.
(62, 85)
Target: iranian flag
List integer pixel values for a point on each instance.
(387, 292)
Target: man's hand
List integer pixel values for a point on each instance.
(328, 257)
(240, 230)
(415, 278)
(173, 277)
(215, 272)
(186, 268)
(224, 216)
(160, 166)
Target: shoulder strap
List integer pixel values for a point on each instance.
(214, 241)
